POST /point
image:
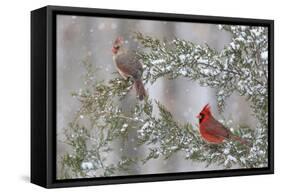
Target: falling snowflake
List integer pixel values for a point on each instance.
(101, 26)
(89, 53)
(113, 26)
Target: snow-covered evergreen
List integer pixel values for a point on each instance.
(242, 66)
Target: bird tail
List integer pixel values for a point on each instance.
(241, 140)
(141, 93)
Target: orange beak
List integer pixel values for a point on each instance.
(114, 50)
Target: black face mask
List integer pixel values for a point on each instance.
(201, 117)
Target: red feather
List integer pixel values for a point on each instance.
(212, 130)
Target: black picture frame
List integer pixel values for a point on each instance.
(43, 96)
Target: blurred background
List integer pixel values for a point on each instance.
(91, 38)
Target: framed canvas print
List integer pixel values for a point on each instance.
(124, 96)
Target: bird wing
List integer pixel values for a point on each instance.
(215, 128)
(129, 64)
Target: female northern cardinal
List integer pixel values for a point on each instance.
(212, 130)
(128, 65)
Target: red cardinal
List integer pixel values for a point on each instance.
(128, 66)
(212, 130)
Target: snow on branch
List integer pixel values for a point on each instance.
(241, 66)
(100, 121)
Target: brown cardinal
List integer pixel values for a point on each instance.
(212, 130)
(128, 65)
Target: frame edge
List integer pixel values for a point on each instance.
(38, 97)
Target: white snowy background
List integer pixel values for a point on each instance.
(91, 38)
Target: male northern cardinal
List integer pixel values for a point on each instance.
(212, 130)
(128, 65)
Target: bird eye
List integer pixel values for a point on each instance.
(116, 47)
